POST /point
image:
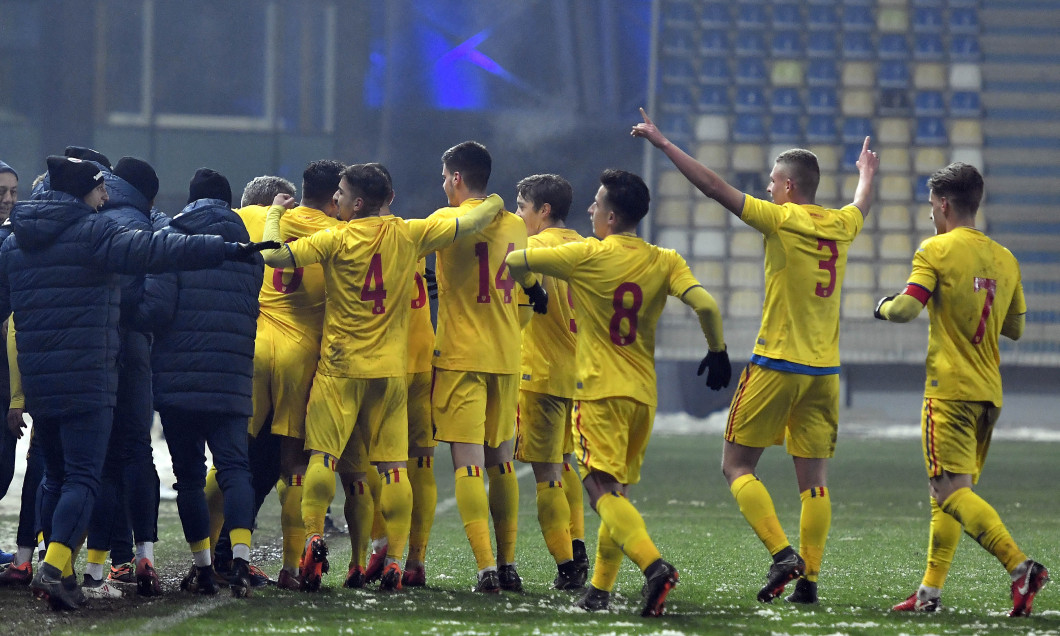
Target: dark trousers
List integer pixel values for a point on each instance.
(74, 446)
(264, 455)
(28, 523)
(7, 458)
(186, 433)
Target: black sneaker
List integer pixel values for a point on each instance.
(782, 572)
(594, 600)
(48, 585)
(239, 582)
(581, 562)
(805, 593)
(509, 578)
(661, 578)
(200, 581)
(489, 582)
(568, 577)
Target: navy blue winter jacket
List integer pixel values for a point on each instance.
(130, 209)
(204, 322)
(59, 274)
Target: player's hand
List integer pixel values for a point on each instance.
(718, 368)
(246, 251)
(284, 200)
(649, 131)
(868, 161)
(538, 298)
(876, 312)
(15, 422)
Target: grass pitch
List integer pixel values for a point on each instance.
(875, 558)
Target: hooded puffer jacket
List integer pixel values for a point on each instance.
(130, 209)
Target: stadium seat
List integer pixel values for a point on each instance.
(927, 20)
(965, 104)
(857, 45)
(894, 46)
(672, 213)
(966, 132)
(858, 18)
(821, 129)
(785, 128)
(751, 15)
(749, 128)
(827, 188)
(786, 44)
(713, 43)
(929, 75)
(713, 99)
(677, 70)
(749, 99)
(822, 100)
(965, 76)
(786, 100)
(712, 128)
(929, 104)
(894, 102)
(674, 184)
(676, 98)
(750, 70)
(894, 74)
(892, 20)
(928, 47)
(857, 304)
(673, 239)
(821, 45)
(827, 157)
(750, 44)
(679, 13)
(920, 189)
(859, 276)
(850, 184)
(929, 3)
(715, 15)
(748, 157)
(746, 243)
(709, 213)
(678, 43)
(709, 272)
(786, 73)
(675, 126)
(896, 188)
(713, 155)
(894, 276)
(744, 303)
(863, 247)
(893, 217)
(746, 275)
(822, 72)
(822, 17)
(855, 129)
(750, 182)
(929, 159)
(708, 243)
(964, 48)
(922, 218)
(859, 102)
(894, 131)
(964, 20)
(896, 245)
(851, 153)
(786, 16)
(859, 75)
(714, 70)
(894, 158)
(966, 154)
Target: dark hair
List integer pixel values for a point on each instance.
(320, 180)
(262, 190)
(472, 161)
(552, 189)
(369, 183)
(802, 169)
(627, 194)
(386, 173)
(961, 185)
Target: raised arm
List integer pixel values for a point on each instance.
(868, 163)
(706, 180)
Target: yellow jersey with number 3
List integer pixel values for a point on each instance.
(291, 299)
(619, 286)
(478, 311)
(805, 261)
(974, 284)
(421, 331)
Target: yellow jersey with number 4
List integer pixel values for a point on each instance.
(971, 284)
(805, 261)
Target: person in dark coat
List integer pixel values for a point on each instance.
(204, 324)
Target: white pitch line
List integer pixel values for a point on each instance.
(163, 623)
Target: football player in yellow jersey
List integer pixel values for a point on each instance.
(287, 347)
(790, 389)
(543, 427)
(476, 366)
(359, 386)
(971, 287)
(619, 285)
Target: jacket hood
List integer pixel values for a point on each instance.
(38, 222)
(211, 216)
(121, 193)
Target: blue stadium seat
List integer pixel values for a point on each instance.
(749, 128)
(714, 43)
(676, 126)
(677, 70)
(964, 20)
(715, 15)
(964, 47)
(894, 46)
(965, 104)
(929, 104)
(921, 191)
(822, 101)
(855, 129)
(822, 17)
(751, 70)
(785, 129)
(893, 74)
(787, 44)
(822, 73)
(750, 99)
(929, 3)
(751, 15)
(714, 70)
(821, 129)
(750, 43)
(713, 99)
(679, 13)
(677, 98)
(927, 20)
(857, 45)
(821, 45)
(851, 153)
(894, 102)
(858, 18)
(930, 131)
(928, 47)
(787, 16)
(678, 43)
(786, 100)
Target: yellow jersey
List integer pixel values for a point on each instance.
(619, 286)
(805, 261)
(292, 300)
(421, 331)
(973, 284)
(368, 274)
(478, 311)
(548, 340)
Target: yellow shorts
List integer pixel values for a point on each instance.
(421, 427)
(351, 417)
(611, 435)
(955, 435)
(543, 428)
(283, 374)
(771, 407)
(473, 407)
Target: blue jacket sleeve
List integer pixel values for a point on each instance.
(116, 249)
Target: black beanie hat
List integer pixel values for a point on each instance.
(73, 176)
(139, 174)
(208, 184)
(6, 168)
(80, 152)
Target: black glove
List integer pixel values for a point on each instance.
(719, 371)
(876, 312)
(431, 279)
(538, 298)
(246, 251)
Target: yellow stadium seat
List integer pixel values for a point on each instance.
(894, 276)
(714, 156)
(673, 212)
(922, 219)
(710, 273)
(929, 76)
(749, 157)
(673, 184)
(712, 128)
(966, 132)
(746, 275)
(894, 159)
(863, 247)
(893, 131)
(708, 243)
(850, 186)
(896, 245)
(858, 304)
(828, 189)
(966, 77)
(827, 157)
(858, 102)
(893, 217)
(860, 276)
(967, 154)
(747, 244)
(859, 75)
(896, 188)
(893, 20)
(786, 73)
(709, 213)
(745, 303)
(673, 239)
(928, 160)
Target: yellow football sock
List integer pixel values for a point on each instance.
(983, 524)
(200, 545)
(98, 557)
(396, 504)
(627, 529)
(215, 503)
(473, 504)
(240, 536)
(608, 560)
(554, 517)
(58, 556)
(424, 501)
(572, 489)
(358, 511)
(318, 490)
(757, 507)
(378, 521)
(814, 523)
(504, 506)
(942, 544)
(291, 522)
